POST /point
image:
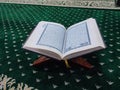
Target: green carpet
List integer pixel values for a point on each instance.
(16, 70)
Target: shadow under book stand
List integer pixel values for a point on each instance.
(80, 61)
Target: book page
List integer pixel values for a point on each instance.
(77, 36)
(82, 38)
(53, 36)
(47, 36)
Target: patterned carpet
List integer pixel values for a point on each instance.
(105, 4)
(16, 70)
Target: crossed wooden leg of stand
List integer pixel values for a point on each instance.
(81, 61)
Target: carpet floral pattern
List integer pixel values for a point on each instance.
(106, 4)
(7, 83)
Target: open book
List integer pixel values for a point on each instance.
(54, 40)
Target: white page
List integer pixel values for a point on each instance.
(82, 36)
(52, 36)
(77, 37)
(48, 36)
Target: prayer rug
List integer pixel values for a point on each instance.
(16, 71)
